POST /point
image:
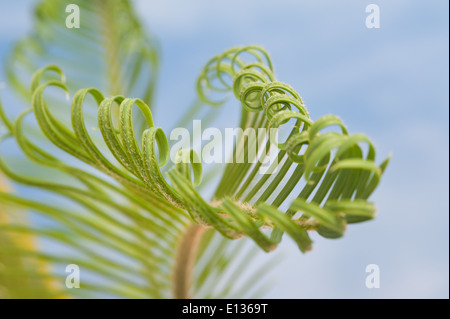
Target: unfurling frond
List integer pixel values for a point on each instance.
(136, 222)
(338, 176)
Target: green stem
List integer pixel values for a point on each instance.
(185, 257)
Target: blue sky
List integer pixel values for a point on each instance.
(390, 83)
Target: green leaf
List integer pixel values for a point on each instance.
(110, 50)
(135, 221)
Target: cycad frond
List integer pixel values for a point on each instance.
(337, 176)
(138, 230)
(20, 277)
(110, 50)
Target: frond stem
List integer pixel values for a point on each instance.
(185, 256)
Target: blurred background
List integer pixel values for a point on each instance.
(390, 83)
